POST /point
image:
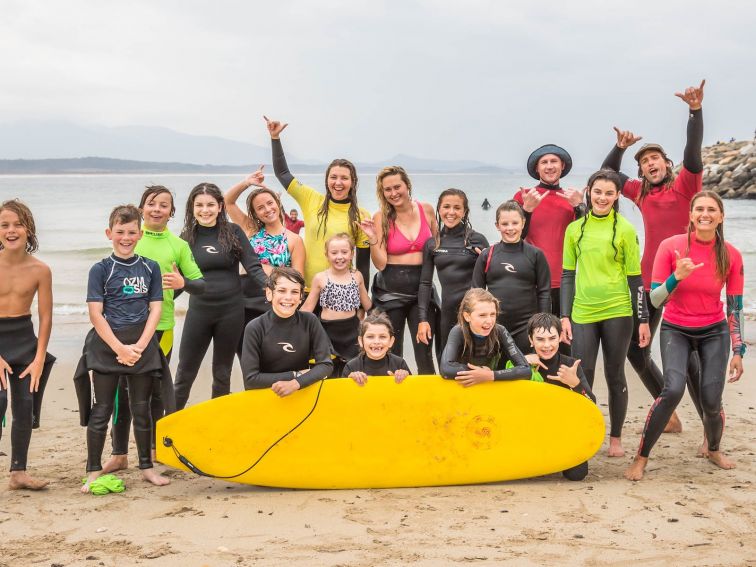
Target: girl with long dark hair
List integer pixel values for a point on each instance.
(452, 253)
(218, 246)
(601, 290)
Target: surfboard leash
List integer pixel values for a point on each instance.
(168, 442)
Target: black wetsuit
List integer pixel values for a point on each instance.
(454, 259)
(388, 364)
(640, 358)
(216, 315)
(18, 347)
(578, 472)
(518, 276)
(451, 360)
(275, 348)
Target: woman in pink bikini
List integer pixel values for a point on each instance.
(397, 234)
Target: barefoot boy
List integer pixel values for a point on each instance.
(124, 297)
(23, 358)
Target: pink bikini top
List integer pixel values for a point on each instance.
(397, 243)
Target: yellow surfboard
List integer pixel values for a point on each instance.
(426, 431)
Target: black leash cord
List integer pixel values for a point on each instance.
(168, 442)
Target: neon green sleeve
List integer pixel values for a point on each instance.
(632, 250)
(569, 258)
(186, 263)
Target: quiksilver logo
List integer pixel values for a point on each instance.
(210, 249)
(509, 267)
(287, 347)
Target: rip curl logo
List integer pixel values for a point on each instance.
(210, 249)
(509, 267)
(287, 347)
(134, 285)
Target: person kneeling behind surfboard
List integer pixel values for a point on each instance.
(376, 338)
(544, 330)
(279, 344)
(478, 349)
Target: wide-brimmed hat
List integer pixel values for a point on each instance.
(648, 148)
(545, 150)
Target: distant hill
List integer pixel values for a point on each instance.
(49, 147)
(42, 140)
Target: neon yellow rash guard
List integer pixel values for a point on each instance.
(165, 248)
(601, 289)
(310, 202)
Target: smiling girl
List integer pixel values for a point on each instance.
(452, 253)
(516, 273)
(376, 338)
(217, 315)
(340, 292)
(601, 289)
(478, 348)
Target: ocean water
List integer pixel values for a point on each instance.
(71, 213)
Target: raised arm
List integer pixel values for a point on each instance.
(693, 97)
(237, 215)
(373, 228)
(280, 167)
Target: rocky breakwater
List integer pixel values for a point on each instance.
(730, 169)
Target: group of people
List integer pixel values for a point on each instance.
(566, 278)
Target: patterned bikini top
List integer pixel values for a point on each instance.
(340, 297)
(272, 249)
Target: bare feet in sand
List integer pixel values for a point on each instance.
(636, 470)
(615, 447)
(721, 460)
(116, 463)
(20, 480)
(703, 450)
(151, 475)
(674, 425)
(91, 477)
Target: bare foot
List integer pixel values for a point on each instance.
(674, 425)
(636, 470)
(116, 463)
(151, 475)
(615, 447)
(91, 477)
(703, 450)
(20, 480)
(721, 460)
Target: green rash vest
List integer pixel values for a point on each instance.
(165, 248)
(601, 290)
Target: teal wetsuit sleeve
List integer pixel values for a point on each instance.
(660, 292)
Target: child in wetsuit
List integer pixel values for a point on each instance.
(341, 292)
(544, 330)
(124, 298)
(24, 362)
(376, 339)
(478, 348)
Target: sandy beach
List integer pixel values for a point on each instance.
(686, 511)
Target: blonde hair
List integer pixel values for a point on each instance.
(339, 236)
(388, 212)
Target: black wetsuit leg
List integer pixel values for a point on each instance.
(614, 336)
(199, 327)
(120, 430)
(408, 314)
(105, 387)
(22, 407)
(712, 344)
(141, 388)
(564, 348)
(3, 409)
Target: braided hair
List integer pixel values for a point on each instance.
(613, 178)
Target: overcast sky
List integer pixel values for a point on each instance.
(451, 79)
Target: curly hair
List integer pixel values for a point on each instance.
(27, 221)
